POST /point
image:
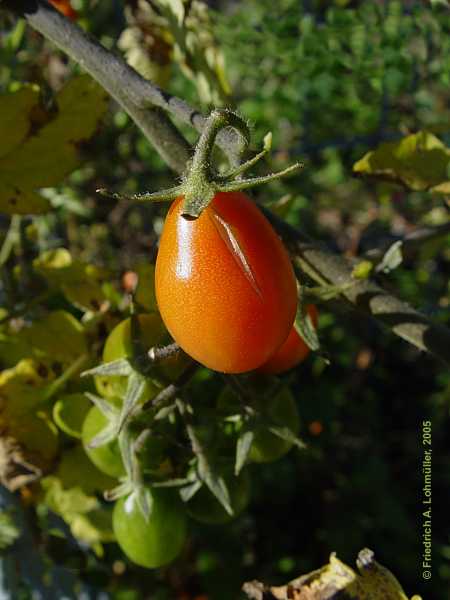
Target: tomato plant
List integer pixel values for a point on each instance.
(155, 541)
(225, 286)
(292, 352)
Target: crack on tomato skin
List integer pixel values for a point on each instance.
(225, 231)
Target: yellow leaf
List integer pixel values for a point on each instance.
(14, 122)
(374, 582)
(419, 162)
(58, 336)
(45, 148)
(19, 201)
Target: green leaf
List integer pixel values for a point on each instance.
(418, 162)
(69, 412)
(135, 392)
(121, 367)
(9, 531)
(244, 443)
(392, 258)
(189, 491)
(305, 327)
(176, 8)
(35, 135)
(13, 123)
(206, 471)
(88, 520)
(75, 469)
(58, 336)
(20, 201)
(287, 435)
(81, 283)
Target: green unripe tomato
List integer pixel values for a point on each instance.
(205, 507)
(107, 457)
(154, 542)
(119, 345)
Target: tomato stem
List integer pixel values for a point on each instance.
(169, 194)
(200, 184)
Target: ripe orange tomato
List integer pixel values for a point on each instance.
(292, 352)
(65, 8)
(225, 286)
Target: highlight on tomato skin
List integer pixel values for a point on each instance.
(292, 352)
(65, 8)
(224, 284)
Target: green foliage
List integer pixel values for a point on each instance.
(9, 531)
(419, 162)
(35, 134)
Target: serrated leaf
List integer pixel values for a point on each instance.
(419, 162)
(27, 159)
(244, 443)
(392, 258)
(69, 412)
(287, 435)
(121, 367)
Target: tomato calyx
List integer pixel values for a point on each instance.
(201, 182)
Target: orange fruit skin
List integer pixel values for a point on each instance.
(292, 352)
(224, 284)
(65, 8)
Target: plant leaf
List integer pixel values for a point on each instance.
(286, 434)
(392, 258)
(121, 366)
(206, 471)
(244, 443)
(305, 327)
(419, 162)
(35, 135)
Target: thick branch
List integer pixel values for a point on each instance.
(139, 97)
(325, 267)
